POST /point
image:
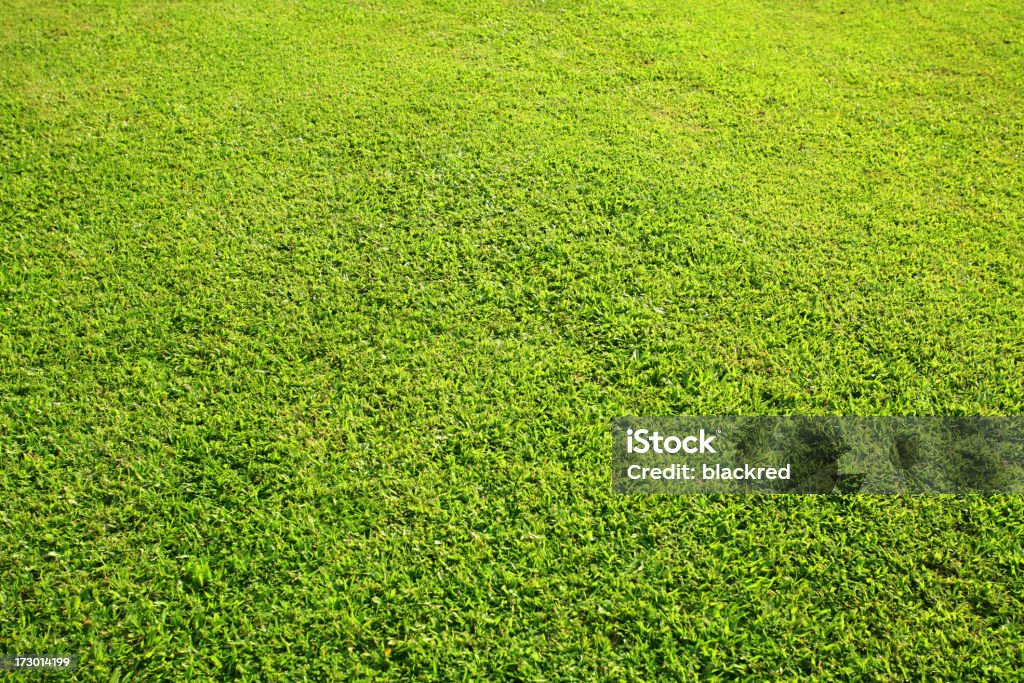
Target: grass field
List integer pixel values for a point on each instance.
(313, 317)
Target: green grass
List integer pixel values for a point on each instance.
(313, 317)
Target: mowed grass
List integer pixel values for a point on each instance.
(313, 317)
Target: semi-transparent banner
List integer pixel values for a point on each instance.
(894, 455)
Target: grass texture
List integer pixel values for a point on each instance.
(314, 316)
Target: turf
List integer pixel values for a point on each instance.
(313, 317)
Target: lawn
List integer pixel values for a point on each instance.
(314, 317)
